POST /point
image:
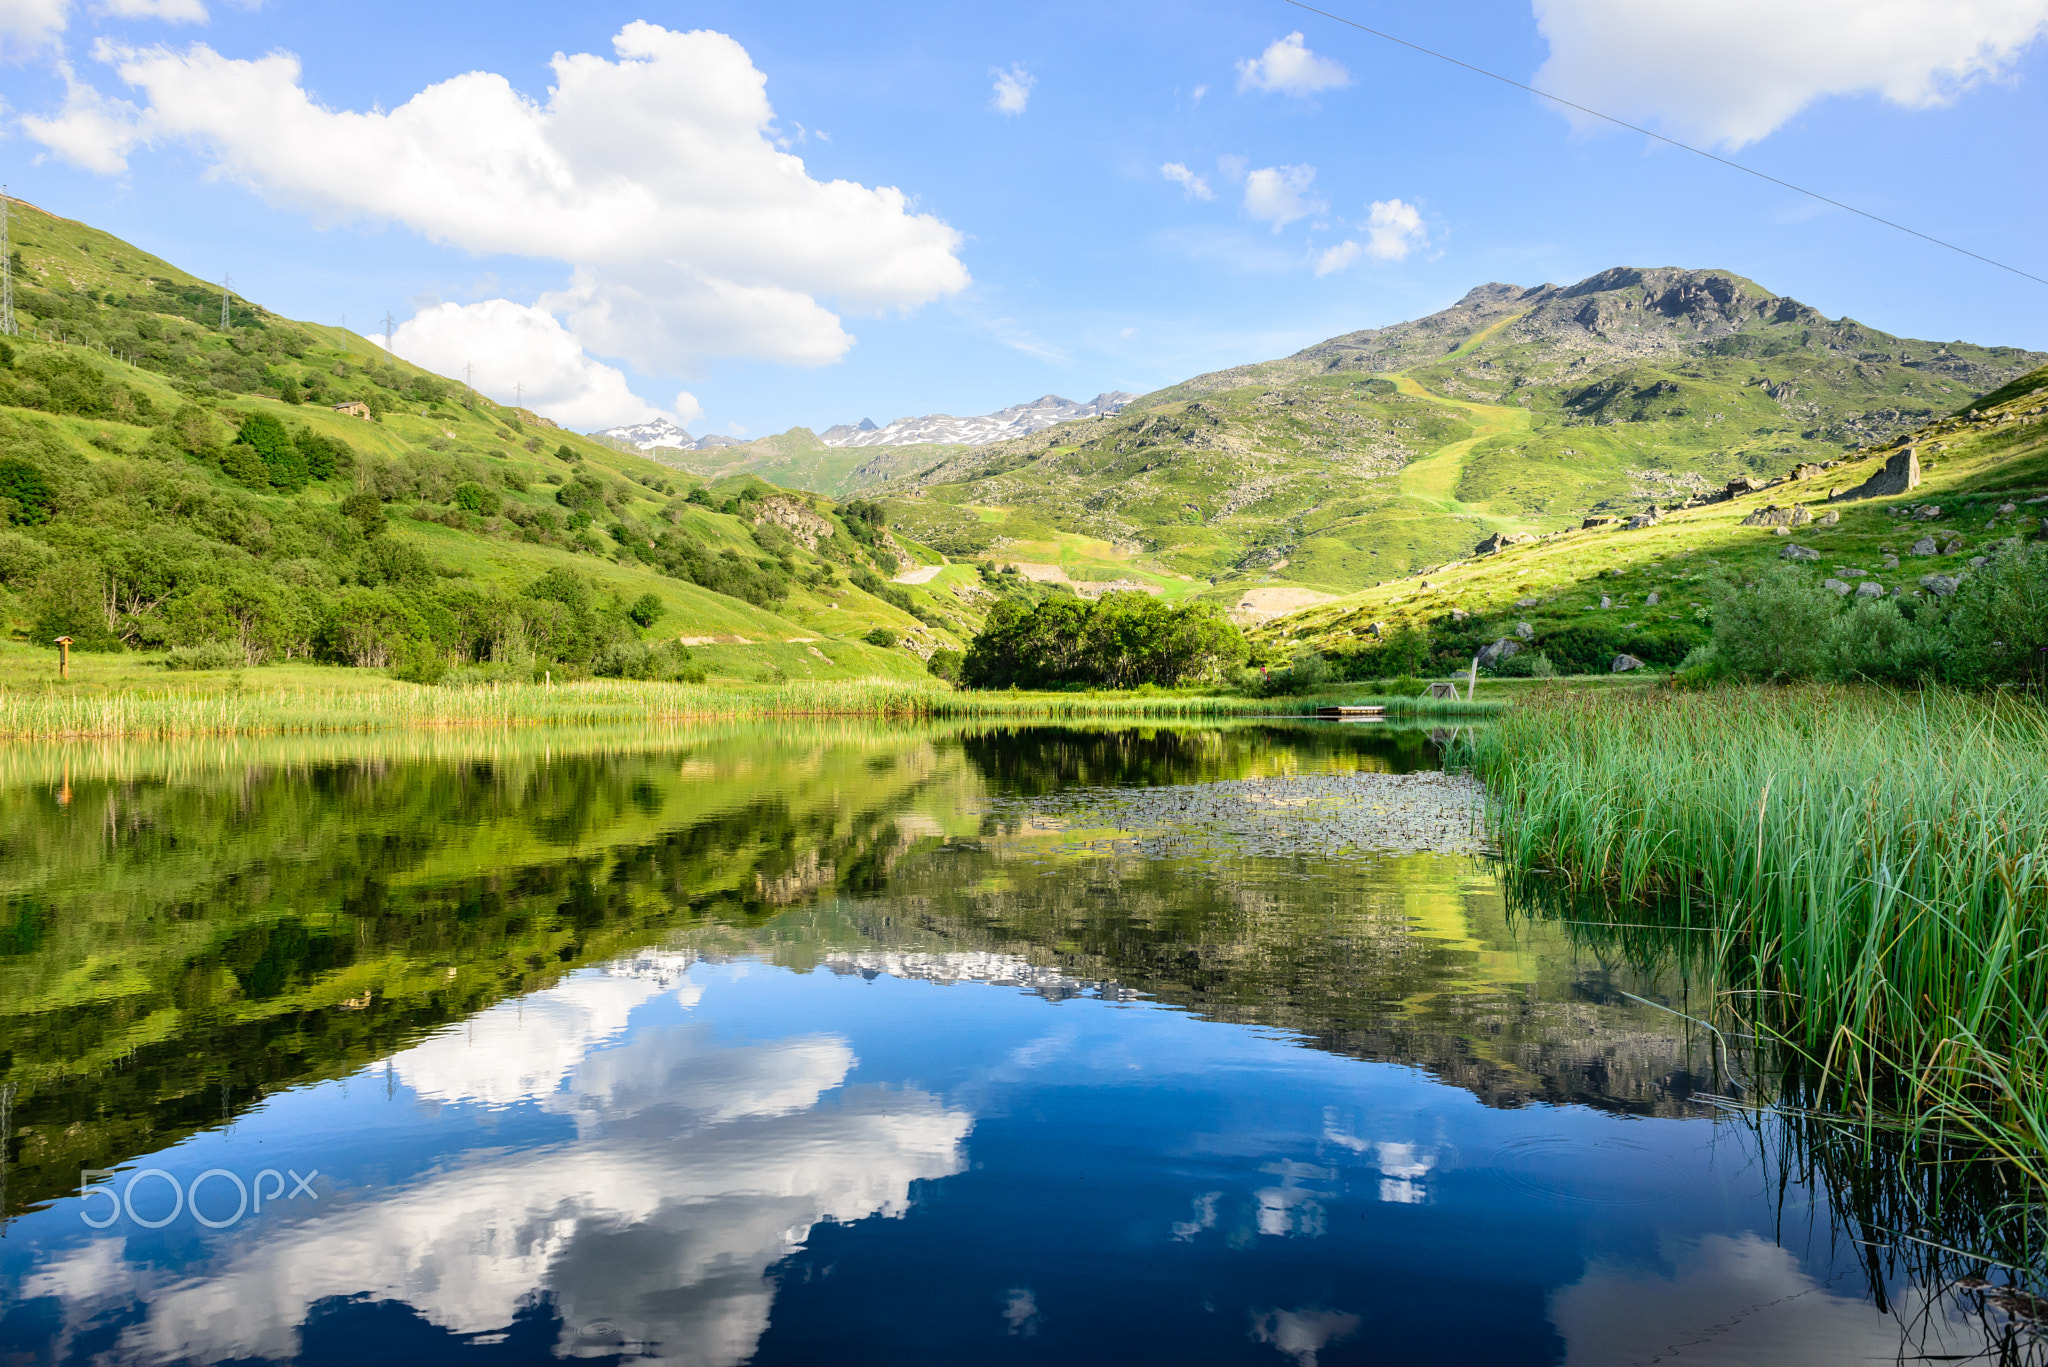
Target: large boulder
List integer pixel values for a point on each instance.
(1774, 516)
(1527, 602)
(1796, 552)
(1624, 663)
(1647, 518)
(1592, 523)
(1870, 588)
(1940, 585)
(1492, 655)
(1835, 586)
(1924, 546)
(1500, 541)
(1900, 475)
(1525, 631)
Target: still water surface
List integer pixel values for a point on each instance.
(850, 1044)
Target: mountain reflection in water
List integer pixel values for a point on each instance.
(789, 1043)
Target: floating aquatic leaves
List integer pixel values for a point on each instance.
(1279, 818)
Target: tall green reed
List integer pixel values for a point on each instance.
(379, 705)
(1874, 867)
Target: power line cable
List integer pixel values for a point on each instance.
(1674, 142)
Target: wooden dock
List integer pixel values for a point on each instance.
(1373, 710)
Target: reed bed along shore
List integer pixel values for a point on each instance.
(1871, 871)
(253, 709)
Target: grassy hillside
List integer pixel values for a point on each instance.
(1374, 454)
(1985, 479)
(173, 488)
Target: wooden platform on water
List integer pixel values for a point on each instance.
(1360, 711)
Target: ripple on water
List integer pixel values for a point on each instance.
(1579, 1170)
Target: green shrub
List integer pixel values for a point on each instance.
(668, 662)
(1777, 629)
(284, 467)
(211, 655)
(418, 662)
(1996, 628)
(366, 510)
(1305, 673)
(1526, 664)
(29, 489)
(646, 610)
(1873, 640)
(945, 664)
(473, 497)
(885, 637)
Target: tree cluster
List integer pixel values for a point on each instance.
(1121, 640)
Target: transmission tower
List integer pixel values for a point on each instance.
(519, 393)
(389, 354)
(469, 380)
(225, 281)
(7, 325)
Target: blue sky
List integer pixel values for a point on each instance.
(703, 221)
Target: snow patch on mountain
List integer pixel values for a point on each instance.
(1017, 421)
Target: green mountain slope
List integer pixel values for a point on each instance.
(1374, 454)
(1584, 595)
(283, 490)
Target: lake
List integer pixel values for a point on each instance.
(851, 1043)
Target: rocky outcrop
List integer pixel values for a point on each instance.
(1500, 650)
(1900, 475)
(1774, 516)
(795, 517)
(1500, 541)
(1624, 663)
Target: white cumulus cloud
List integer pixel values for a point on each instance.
(1012, 90)
(1279, 195)
(169, 11)
(27, 27)
(1393, 229)
(655, 176)
(1338, 258)
(524, 353)
(1196, 187)
(1729, 72)
(1287, 67)
(90, 130)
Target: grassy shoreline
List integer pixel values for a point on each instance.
(232, 707)
(1869, 871)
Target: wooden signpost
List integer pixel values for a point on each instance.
(63, 657)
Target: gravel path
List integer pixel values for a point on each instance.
(1270, 817)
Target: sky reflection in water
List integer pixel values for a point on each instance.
(992, 1097)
